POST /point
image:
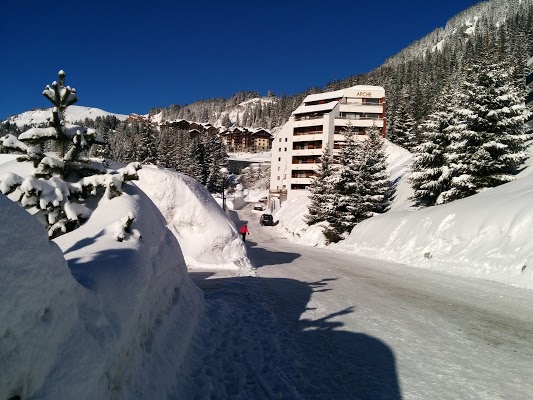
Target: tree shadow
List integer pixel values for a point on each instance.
(261, 257)
(287, 349)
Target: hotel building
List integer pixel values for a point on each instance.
(318, 122)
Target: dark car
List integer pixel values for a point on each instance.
(266, 219)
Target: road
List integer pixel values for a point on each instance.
(322, 325)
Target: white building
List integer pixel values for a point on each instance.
(320, 121)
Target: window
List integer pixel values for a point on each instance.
(285, 149)
(285, 139)
(280, 149)
(279, 158)
(278, 178)
(280, 139)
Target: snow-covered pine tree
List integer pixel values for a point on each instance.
(376, 190)
(489, 148)
(430, 173)
(343, 209)
(361, 185)
(320, 189)
(167, 147)
(218, 159)
(62, 180)
(404, 133)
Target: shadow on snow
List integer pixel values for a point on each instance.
(288, 350)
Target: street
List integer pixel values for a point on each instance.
(315, 324)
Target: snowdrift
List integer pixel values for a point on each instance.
(206, 236)
(87, 316)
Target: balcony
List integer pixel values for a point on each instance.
(362, 108)
(305, 166)
(303, 174)
(300, 181)
(308, 132)
(307, 138)
(306, 117)
(307, 152)
(364, 122)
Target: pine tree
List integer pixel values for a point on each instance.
(62, 181)
(361, 188)
(320, 189)
(404, 133)
(343, 210)
(489, 148)
(376, 187)
(430, 173)
(218, 159)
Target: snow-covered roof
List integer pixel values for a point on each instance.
(319, 107)
(340, 93)
(324, 96)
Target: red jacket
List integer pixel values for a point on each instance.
(244, 229)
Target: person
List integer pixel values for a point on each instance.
(244, 230)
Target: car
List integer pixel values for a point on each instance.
(259, 207)
(266, 219)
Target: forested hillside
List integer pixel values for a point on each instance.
(413, 79)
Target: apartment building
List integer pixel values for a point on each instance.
(320, 121)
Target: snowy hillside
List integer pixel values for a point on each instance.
(486, 236)
(73, 114)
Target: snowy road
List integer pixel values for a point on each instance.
(315, 324)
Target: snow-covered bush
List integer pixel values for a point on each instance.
(58, 189)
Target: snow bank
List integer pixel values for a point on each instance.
(206, 236)
(107, 319)
(485, 236)
(292, 223)
(38, 304)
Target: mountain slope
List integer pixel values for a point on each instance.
(73, 114)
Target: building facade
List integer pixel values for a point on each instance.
(321, 121)
(246, 139)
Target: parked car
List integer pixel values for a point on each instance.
(259, 207)
(266, 219)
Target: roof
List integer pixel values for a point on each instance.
(338, 93)
(319, 107)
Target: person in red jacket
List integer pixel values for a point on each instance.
(244, 230)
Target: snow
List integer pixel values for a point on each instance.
(72, 114)
(109, 310)
(259, 157)
(316, 108)
(191, 212)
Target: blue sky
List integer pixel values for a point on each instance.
(127, 57)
